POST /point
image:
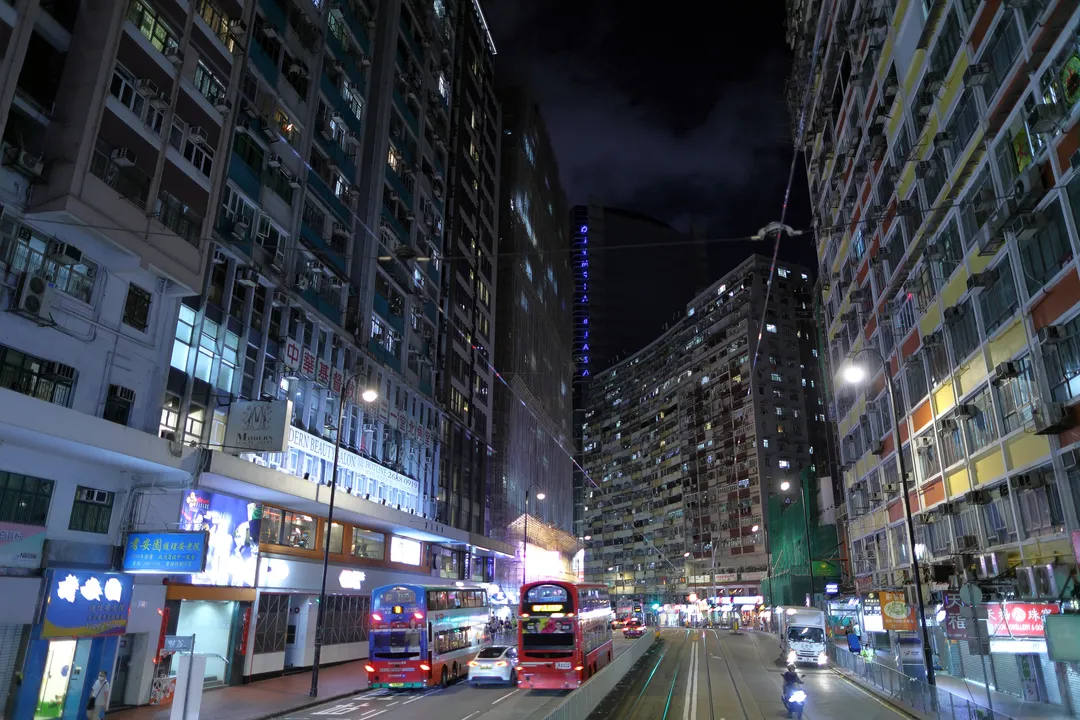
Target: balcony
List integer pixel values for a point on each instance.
(275, 15)
(132, 183)
(406, 111)
(179, 218)
(328, 306)
(245, 176)
(328, 252)
(323, 190)
(266, 65)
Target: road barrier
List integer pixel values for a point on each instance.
(581, 702)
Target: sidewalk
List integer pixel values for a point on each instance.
(266, 698)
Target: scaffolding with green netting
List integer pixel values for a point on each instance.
(789, 525)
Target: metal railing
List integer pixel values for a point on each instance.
(581, 702)
(933, 701)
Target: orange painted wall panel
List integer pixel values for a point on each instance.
(933, 493)
(922, 416)
(1057, 301)
(982, 23)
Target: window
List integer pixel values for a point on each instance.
(997, 517)
(92, 511)
(368, 544)
(1062, 360)
(208, 84)
(769, 327)
(24, 249)
(1017, 396)
(1001, 53)
(1040, 508)
(1046, 252)
(270, 531)
(42, 379)
(185, 329)
(24, 499)
(916, 379)
(137, 308)
(123, 89)
(152, 26)
(951, 441)
(119, 404)
(299, 531)
(998, 302)
(963, 330)
(981, 429)
(949, 246)
(204, 359)
(337, 534)
(249, 151)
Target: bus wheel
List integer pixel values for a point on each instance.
(454, 675)
(444, 680)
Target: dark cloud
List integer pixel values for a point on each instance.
(678, 114)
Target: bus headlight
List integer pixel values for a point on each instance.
(822, 659)
(792, 657)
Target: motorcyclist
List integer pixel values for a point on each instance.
(791, 679)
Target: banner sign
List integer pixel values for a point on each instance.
(21, 545)
(956, 625)
(86, 603)
(165, 552)
(1024, 620)
(896, 614)
(258, 426)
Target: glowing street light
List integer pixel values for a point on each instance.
(785, 486)
(755, 528)
(369, 395)
(854, 374)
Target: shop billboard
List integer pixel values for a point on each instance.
(86, 603)
(176, 553)
(1018, 620)
(896, 614)
(232, 527)
(21, 545)
(258, 426)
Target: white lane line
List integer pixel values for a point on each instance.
(697, 668)
(505, 696)
(472, 714)
(422, 696)
(373, 713)
(689, 682)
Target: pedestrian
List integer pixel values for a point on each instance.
(99, 698)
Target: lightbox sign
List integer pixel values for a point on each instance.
(86, 603)
(832, 588)
(403, 550)
(258, 426)
(181, 553)
(232, 528)
(581, 277)
(351, 579)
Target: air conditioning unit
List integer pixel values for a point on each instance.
(890, 488)
(1051, 418)
(279, 299)
(978, 74)
(966, 410)
(1025, 583)
(1006, 370)
(934, 80)
(1030, 481)
(1045, 117)
(240, 227)
(878, 448)
(220, 258)
(947, 508)
(198, 135)
(247, 277)
(302, 281)
(90, 495)
(928, 518)
(934, 251)
(64, 254)
(942, 140)
(173, 55)
(1025, 225)
(147, 87)
(340, 231)
(335, 282)
(35, 296)
(1050, 579)
(876, 498)
(979, 497)
(1028, 188)
(924, 441)
(977, 282)
(273, 160)
(160, 101)
(1049, 335)
(926, 169)
(953, 314)
(948, 425)
(907, 207)
(293, 180)
(965, 543)
(122, 157)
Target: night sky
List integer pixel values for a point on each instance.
(677, 114)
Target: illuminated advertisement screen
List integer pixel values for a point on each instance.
(403, 550)
(233, 542)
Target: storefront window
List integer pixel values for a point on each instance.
(299, 531)
(271, 526)
(336, 533)
(368, 544)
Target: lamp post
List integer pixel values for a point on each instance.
(525, 545)
(785, 486)
(855, 374)
(368, 396)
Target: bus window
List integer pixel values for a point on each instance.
(547, 594)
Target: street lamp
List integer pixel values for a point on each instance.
(525, 545)
(854, 374)
(785, 486)
(368, 395)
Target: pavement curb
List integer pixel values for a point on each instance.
(314, 703)
(903, 709)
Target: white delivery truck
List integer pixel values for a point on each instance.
(802, 635)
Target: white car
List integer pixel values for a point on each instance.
(494, 664)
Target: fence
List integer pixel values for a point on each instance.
(580, 703)
(932, 701)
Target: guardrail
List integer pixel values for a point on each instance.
(581, 702)
(933, 701)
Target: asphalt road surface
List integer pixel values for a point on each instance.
(457, 702)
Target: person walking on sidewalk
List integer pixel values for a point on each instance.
(99, 697)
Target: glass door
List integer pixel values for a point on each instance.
(59, 665)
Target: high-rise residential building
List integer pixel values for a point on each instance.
(221, 220)
(533, 347)
(941, 146)
(687, 438)
(468, 321)
(615, 253)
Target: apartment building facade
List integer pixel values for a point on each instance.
(685, 440)
(533, 348)
(206, 203)
(940, 145)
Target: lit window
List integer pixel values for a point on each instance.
(783, 464)
(765, 442)
(782, 272)
(770, 328)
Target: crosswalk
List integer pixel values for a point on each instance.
(363, 706)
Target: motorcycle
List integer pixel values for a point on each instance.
(794, 700)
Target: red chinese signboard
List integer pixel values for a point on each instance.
(323, 377)
(292, 354)
(337, 379)
(1018, 619)
(956, 625)
(307, 364)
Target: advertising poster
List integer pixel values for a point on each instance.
(86, 603)
(1018, 620)
(233, 543)
(21, 545)
(178, 553)
(896, 614)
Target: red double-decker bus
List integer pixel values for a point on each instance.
(564, 636)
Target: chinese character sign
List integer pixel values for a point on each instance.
(307, 364)
(337, 379)
(86, 603)
(956, 627)
(166, 552)
(896, 613)
(292, 354)
(1018, 619)
(323, 375)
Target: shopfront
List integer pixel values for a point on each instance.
(74, 637)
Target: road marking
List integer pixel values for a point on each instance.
(373, 713)
(690, 696)
(875, 698)
(421, 696)
(470, 715)
(505, 696)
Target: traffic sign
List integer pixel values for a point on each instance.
(971, 594)
(179, 643)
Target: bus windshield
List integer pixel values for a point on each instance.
(547, 634)
(396, 644)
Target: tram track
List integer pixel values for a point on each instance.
(647, 713)
(731, 675)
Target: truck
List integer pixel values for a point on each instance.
(802, 635)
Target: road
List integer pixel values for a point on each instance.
(714, 675)
(458, 702)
